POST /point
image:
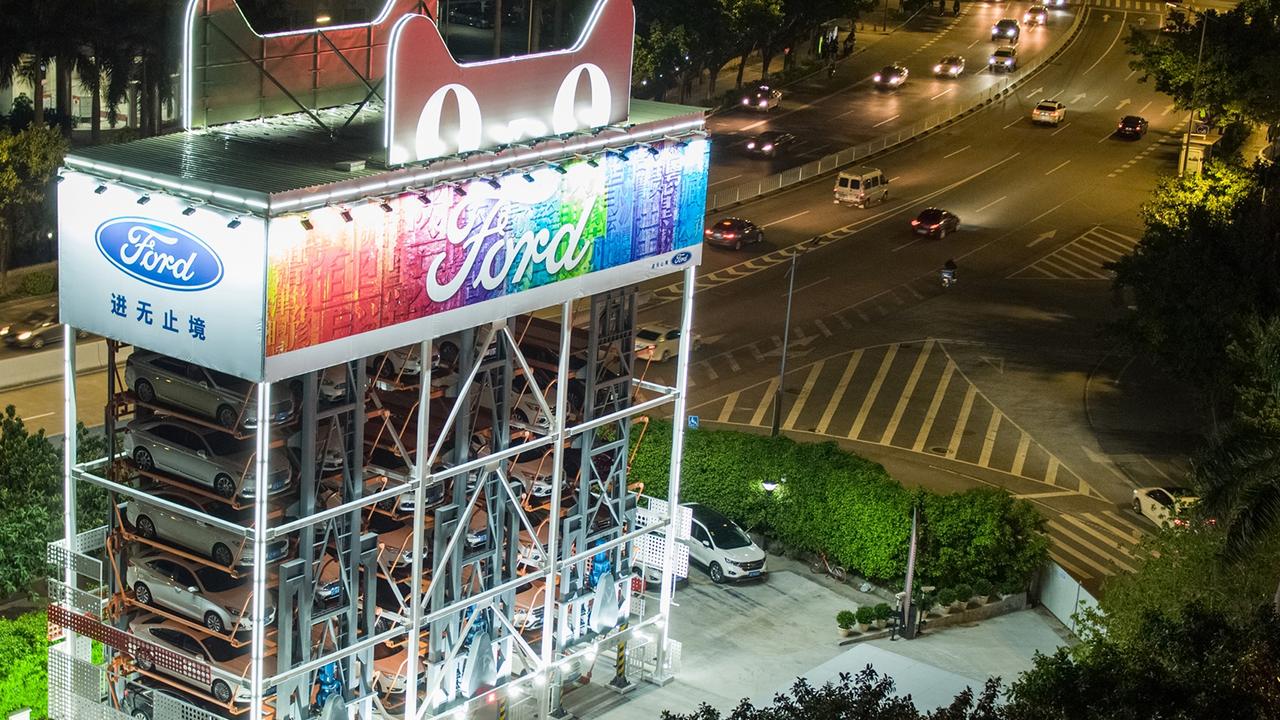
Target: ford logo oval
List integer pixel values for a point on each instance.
(681, 257)
(159, 254)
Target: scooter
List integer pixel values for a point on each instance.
(948, 276)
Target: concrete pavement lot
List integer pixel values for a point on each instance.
(753, 640)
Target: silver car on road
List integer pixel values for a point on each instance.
(203, 456)
(155, 522)
(228, 400)
(213, 597)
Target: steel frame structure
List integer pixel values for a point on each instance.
(489, 547)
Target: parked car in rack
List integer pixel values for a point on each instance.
(156, 522)
(203, 456)
(225, 399)
(229, 682)
(718, 545)
(659, 343)
(391, 667)
(207, 595)
(402, 362)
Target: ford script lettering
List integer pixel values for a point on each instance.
(159, 254)
(681, 257)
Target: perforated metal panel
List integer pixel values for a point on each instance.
(652, 548)
(135, 647)
(91, 540)
(78, 600)
(167, 707)
(77, 688)
(656, 512)
(62, 560)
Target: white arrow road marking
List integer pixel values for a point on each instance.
(1122, 104)
(1106, 17)
(1032, 93)
(1043, 236)
(1077, 98)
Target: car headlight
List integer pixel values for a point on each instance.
(24, 335)
(233, 610)
(1008, 61)
(767, 148)
(937, 68)
(764, 102)
(5, 330)
(991, 61)
(751, 145)
(877, 77)
(746, 101)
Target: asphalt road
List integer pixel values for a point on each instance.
(830, 114)
(1005, 379)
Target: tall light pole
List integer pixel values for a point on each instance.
(786, 341)
(1195, 87)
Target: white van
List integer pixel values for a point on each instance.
(862, 187)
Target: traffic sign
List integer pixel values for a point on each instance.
(693, 422)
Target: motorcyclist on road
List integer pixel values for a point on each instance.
(948, 272)
(955, 7)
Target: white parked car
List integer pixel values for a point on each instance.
(1048, 112)
(209, 458)
(213, 597)
(155, 522)
(659, 343)
(718, 545)
(229, 679)
(1163, 505)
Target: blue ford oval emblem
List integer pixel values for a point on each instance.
(159, 254)
(681, 257)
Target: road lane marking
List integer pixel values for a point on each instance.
(1032, 93)
(733, 364)
(766, 402)
(1046, 212)
(1020, 457)
(1119, 524)
(975, 42)
(789, 217)
(729, 403)
(1064, 126)
(957, 152)
(1061, 165)
(1048, 494)
(870, 399)
(1101, 100)
(822, 327)
(989, 441)
(1109, 541)
(1063, 530)
(961, 420)
(1015, 122)
(887, 120)
(923, 436)
(1051, 472)
(836, 396)
(41, 415)
(988, 206)
(1114, 40)
(1078, 555)
(802, 288)
(798, 405)
(944, 92)
(1076, 572)
(735, 177)
(901, 408)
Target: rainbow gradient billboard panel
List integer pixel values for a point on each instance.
(456, 256)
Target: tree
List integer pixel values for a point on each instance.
(756, 22)
(661, 57)
(28, 159)
(30, 469)
(1207, 260)
(1236, 74)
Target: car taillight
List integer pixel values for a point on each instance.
(915, 222)
(706, 232)
(935, 226)
(731, 235)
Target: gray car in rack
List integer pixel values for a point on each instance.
(213, 597)
(203, 456)
(153, 521)
(225, 399)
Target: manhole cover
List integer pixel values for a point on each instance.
(938, 450)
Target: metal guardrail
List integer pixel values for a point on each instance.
(743, 192)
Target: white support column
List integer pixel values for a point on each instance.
(69, 456)
(262, 442)
(550, 624)
(677, 461)
(421, 453)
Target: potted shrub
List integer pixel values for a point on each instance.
(983, 589)
(929, 603)
(964, 593)
(845, 620)
(881, 613)
(947, 599)
(865, 616)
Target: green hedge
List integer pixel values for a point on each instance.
(24, 652)
(847, 507)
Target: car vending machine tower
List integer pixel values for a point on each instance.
(373, 387)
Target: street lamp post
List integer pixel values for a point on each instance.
(786, 340)
(1195, 87)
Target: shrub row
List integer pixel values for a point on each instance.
(848, 507)
(24, 653)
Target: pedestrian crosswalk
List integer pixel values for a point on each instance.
(1130, 5)
(1081, 259)
(1095, 545)
(910, 396)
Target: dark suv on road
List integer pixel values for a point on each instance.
(1005, 31)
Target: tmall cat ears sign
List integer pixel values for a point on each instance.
(438, 107)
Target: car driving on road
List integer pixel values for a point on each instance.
(1006, 30)
(935, 222)
(36, 329)
(1048, 112)
(891, 77)
(203, 456)
(1132, 126)
(660, 343)
(1036, 15)
(1163, 505)
(762, 98)
(1004, 59)
(949, 66)
(767, 143)
(718, 545)
(228, 400)
(733, 232)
